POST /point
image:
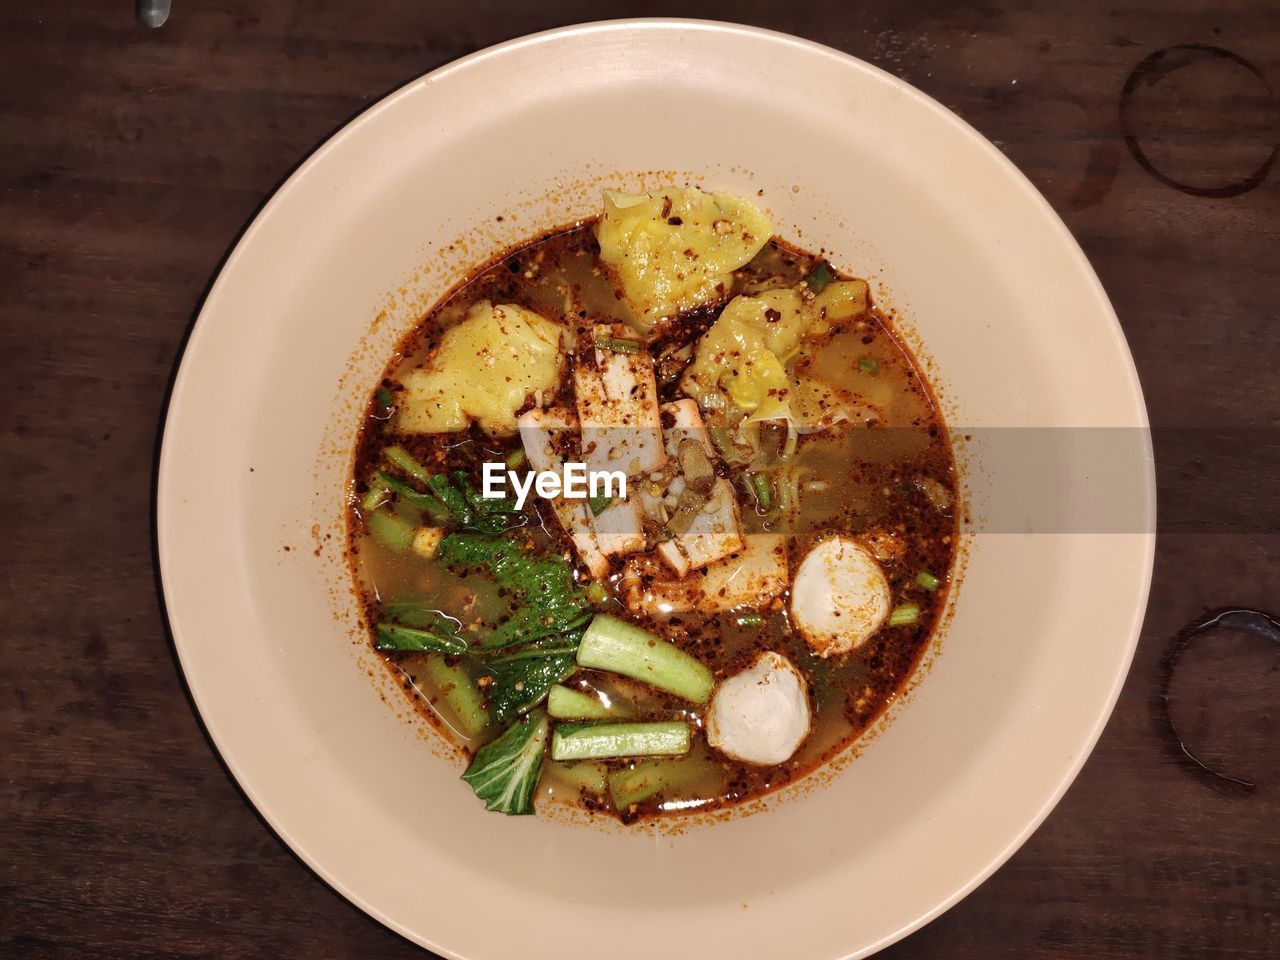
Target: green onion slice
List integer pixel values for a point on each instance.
(762, 489)
(618, 345)
(904, 615)
(820, 276)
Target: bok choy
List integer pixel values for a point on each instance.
(504, 773)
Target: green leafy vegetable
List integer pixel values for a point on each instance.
(489, 514)
(454, 500)
(447, 499)
(532, 623)
(547, 601)
(416, 613)
(404, 619)
(522, 679)
(535, 647)
(392, 637)
(407, 494)
(598, 503)
(505, 771)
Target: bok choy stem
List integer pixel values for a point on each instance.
(648, 778)
(623, 648)
(603, 741)
(400, 457)
(390, 530)
(565, 703)
(459, 693)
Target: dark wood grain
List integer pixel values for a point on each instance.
(131, 159)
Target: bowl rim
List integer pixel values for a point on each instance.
(164, 524)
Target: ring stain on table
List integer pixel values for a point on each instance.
(1244, 139)
(1207, 628)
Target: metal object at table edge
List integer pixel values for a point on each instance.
(152, 13)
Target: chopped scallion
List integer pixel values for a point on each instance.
(868, 365)
(904, 615)
(927, 580)
(516, 459)
(598, 503)
(618, 345)
(762, 489)
(751, 620)
(820, 276)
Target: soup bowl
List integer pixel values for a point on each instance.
(1008, 319)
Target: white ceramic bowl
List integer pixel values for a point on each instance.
(390, 213)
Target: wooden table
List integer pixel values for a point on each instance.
(131, 159)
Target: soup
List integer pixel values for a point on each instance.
(654, 514)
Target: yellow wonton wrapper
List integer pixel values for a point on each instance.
(484, 371)
(676, 249)
(741, 361)
(744, 355)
